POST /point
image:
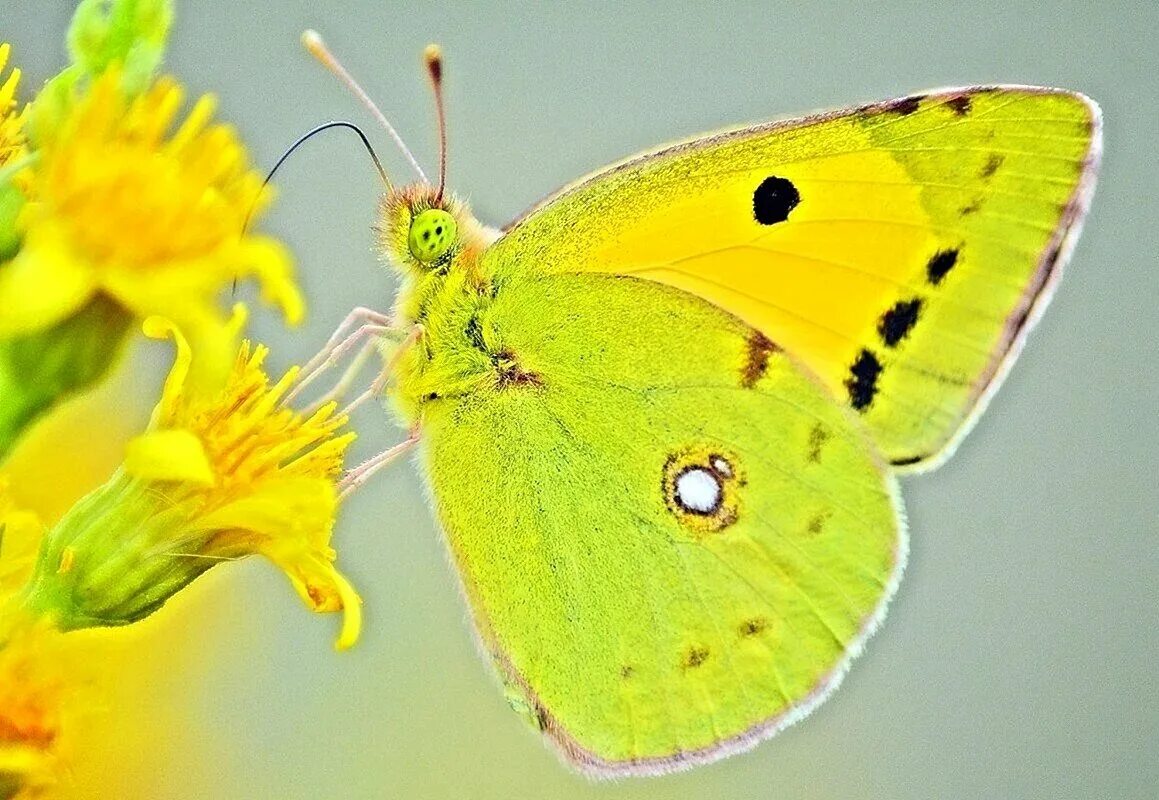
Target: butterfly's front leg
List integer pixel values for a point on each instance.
(379, 385)
(372, 327)
(364, 471)
(370, 336)
(364, 322)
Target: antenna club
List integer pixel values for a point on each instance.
(312, 41)
(433, 58)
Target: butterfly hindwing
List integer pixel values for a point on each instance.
(901, 250)
(671, 538)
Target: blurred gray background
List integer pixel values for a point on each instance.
(1019, 657)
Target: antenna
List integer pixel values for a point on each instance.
(433, 58)
(313, 43)
(305, 137)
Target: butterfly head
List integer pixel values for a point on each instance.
(422, 232)
(422, 228)
(432, 234)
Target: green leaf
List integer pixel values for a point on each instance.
(40, 370)
(11, 201)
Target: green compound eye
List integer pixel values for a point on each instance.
(432, 233)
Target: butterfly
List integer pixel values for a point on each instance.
(662, 414)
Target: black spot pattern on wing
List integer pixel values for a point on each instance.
(774, 200)
(960, 104)
(940, 264)
(862, 380)
(695, 657)
(906, 105)
(760, 347)
(991, 166)
(896, 323)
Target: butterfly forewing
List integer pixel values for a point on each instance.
(901, 250)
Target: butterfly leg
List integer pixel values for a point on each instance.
(355, 319)
(349, 375)
(379, 384)
(364, 471)
(368, 322)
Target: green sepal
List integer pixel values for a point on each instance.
(40, 370)
(51, 106)
(132, 32)
(102, 566)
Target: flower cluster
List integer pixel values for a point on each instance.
(115, 206)
(11, 118)
(119, 211)
(219, 476)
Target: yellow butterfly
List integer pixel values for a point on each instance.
(661, 414)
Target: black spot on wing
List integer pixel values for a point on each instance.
(960, 104)
(774, 200)
(760, 347)
(818, 436)
(940, 264)
(753, 626)
(991, 166)
(695, 657)
(971, 208)
(816, 524)
(862, 380)
(896, 323)
(906, 105)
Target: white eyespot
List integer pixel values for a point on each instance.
(722, 467)
(698, 491)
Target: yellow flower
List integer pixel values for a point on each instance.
(218, 476)
(20, 534)
(121, 205)
(32, 701)
(11, 123)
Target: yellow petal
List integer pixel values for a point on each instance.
(270, 261)
(199, 117)
(292, 513)
(169, 455)
(30, 763)
(161, 328)
(41, 286)
(164, 290)
(352, 617)
(323, 588)
(214, 340)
